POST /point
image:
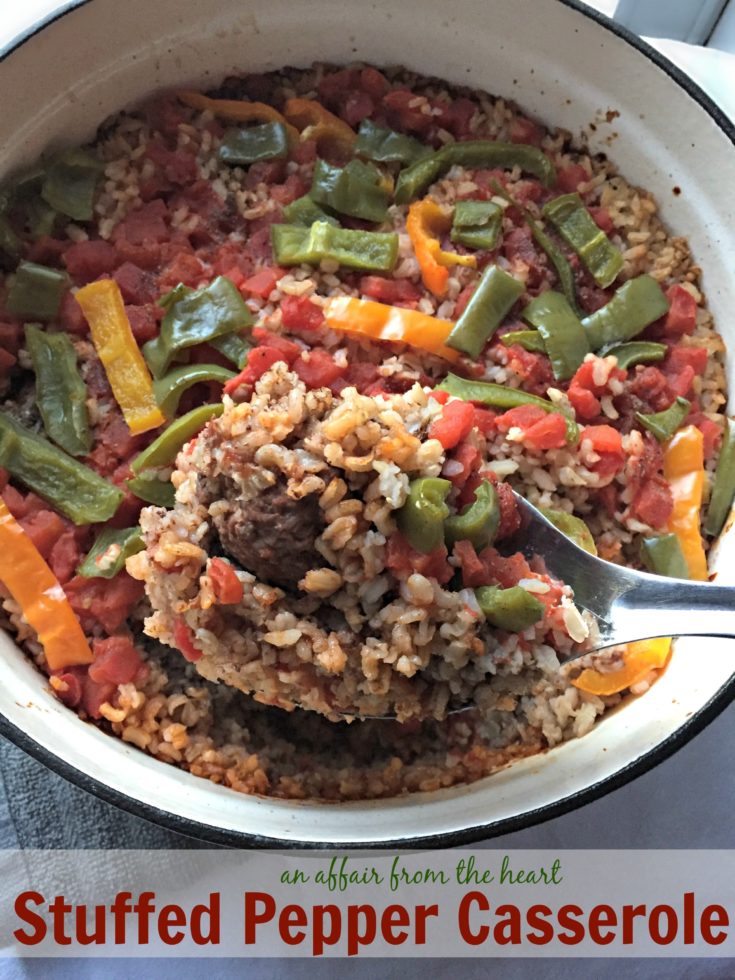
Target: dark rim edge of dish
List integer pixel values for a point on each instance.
(191, 828)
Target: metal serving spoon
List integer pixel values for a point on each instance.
(628, 605)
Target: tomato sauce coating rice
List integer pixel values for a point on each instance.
(307, 272)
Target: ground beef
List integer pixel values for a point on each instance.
(273, 535)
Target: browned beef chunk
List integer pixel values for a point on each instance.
(273, 535)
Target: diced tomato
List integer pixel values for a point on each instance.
(73, 693)
(458, 117)
(584, 393)
(10, 337)
(288, 350)
(226, 586)
(15, 502)
(264, 281)
(362, 376)
(694, 357)
(549, 433)
(454, 424)
(71, 317)
(533, 369)
(469, 459)
(374, 82)
(356, 106)
(292, 187)
(522, 417)
(653, 504)
(601, 217)
(485, 421)
(506, 571)
(682, 316)
(65, 556)
(394, 292)
(86, 261)
(524, 130)
(104, 601)
(711, 432)
(474, 572)
(570, 177)
(146, 254)
(333, 85)
(46, 250)
(116, 661)
(305, 151)
(260, 359)
(440, 396)
(584, 403)
(300, 313)
(401, 558)
(136, 285)
(185, 267)
(146, 224)
(95, 694)
(510, 516)
(608, 444)
(409, 111)
(143, 322)
(462, 300)
(317, 368)
(44, 528)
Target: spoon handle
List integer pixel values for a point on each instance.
(655, 606)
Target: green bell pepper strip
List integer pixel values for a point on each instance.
(161, 493)
(195, 317)
(421, 519)
(169, 389)
(40, 219)
(635, 352)
(36, 291)
(10, 243)
(492, 300)
(305, 211)
(61, 394)
(664, 424)
(723, 486)
(477, 224)
(108, 554)
(478, 522)
(498, 396)
(564, 336)
(294, 245)
(555, 255)
(241, 147)
(70, 182)
(511, 609)
(386, 146)
(576, 226)
(637, 303)
(530, 340)
(234, 347)
(354, 190)
(574, 528)
(471, 154)
(73, 489)
(163, 451)
(662, 555)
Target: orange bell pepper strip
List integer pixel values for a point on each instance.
(379, 321)
(684, 470)
(238, 110)
(425, 224)
(319, 124)
(35, 588)
(127, 372)
(640, 657)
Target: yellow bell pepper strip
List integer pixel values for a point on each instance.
(36, 589)
(314, 122)
(238, 110)
(684, 470)
(378, 321)
(640, 657)
(129, 377)
(425, 223)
